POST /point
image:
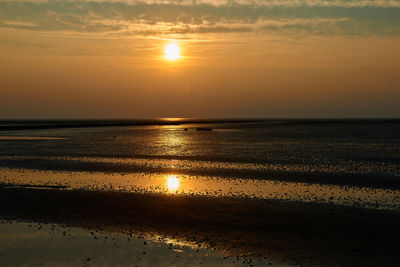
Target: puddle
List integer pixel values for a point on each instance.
(33, 244)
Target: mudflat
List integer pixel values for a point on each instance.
(285, 231)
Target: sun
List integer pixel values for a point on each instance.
(172, 51)
(172, 183)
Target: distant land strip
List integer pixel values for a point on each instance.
(13, 125)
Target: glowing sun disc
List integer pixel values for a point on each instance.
(172, 183)
(172, 51)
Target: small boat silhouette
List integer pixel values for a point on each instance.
(203, 129)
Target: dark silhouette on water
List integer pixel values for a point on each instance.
(203, 129)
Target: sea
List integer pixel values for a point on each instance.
(342, 162)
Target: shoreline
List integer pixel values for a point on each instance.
(44, 124)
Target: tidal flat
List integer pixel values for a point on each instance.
(283, 193)
(279, 232)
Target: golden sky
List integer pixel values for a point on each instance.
(106, 59)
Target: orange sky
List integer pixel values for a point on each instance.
(240, 60)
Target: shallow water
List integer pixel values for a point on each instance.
(369, 148)
(352, 164)
(206, 186)
(342, 164)
(57, 245)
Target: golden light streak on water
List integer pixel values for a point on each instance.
(172, 183)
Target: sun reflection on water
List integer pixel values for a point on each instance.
(172, 183)
(172, 140)
(206, 186)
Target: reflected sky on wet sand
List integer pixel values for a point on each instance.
(205, 186)
(267, 188)
(53, 244)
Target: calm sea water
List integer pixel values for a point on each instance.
(346, 163)
(255, 150)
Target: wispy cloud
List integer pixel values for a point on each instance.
(335, 17)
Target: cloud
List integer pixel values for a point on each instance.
(335, 17)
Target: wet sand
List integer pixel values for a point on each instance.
(59, 245)
(200, 168)
(362, 197)
(292, 192)
(287, 232)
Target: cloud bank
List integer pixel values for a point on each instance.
(180, 17)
